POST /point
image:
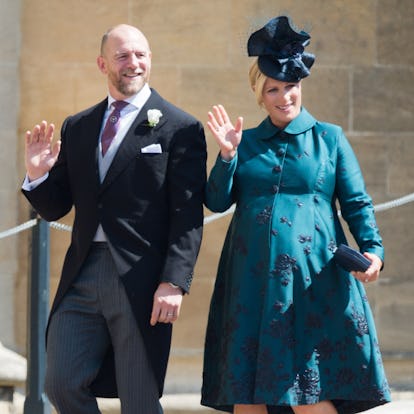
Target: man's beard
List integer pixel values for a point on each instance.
(128, 88)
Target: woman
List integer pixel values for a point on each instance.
(289, 330)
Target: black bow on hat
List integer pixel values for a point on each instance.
(280, 50)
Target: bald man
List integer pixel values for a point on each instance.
(134, 169)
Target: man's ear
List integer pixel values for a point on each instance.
(101, 64)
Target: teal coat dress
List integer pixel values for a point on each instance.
(287, 326)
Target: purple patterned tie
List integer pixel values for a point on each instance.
(112, 125)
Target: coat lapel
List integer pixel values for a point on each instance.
(88, 143)
(138, 136)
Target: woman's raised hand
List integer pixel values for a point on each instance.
(227, 136)
(40, 154)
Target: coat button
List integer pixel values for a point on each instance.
(277, 168)
(280, 152)
(275, 189)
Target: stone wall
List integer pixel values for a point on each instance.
(362, 79)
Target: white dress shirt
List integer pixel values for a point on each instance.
(128, 115)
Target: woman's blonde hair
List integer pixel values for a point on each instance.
(257, 81)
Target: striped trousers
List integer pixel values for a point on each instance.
(93, 314)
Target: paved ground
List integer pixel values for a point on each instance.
(403, 403)
(396, 407)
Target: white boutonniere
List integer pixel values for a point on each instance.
(154, 116)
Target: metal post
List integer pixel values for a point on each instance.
(36, 401)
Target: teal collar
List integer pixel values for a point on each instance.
(303, 122)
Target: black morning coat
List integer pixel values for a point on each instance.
(149, 205)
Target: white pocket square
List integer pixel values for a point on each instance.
(152, 149)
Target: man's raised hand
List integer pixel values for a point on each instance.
(40, 152)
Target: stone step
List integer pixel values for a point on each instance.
(403, 403)
(171, 403)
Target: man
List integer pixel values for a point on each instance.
(136, 233)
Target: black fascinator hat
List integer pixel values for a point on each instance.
(280, 50)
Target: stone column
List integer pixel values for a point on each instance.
(9, 102)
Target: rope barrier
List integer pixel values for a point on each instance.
(60, 226)
(18, 229)
(212, 217)
(395, 203)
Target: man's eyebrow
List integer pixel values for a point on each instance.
(126, 51)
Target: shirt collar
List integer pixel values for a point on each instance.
(138, 100)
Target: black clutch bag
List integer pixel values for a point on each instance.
(350, 259)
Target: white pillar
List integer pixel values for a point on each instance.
(9, 173)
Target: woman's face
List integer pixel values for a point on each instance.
(282, 101)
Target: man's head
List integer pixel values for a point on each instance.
(126, 60)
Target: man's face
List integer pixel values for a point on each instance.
(126, 60)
